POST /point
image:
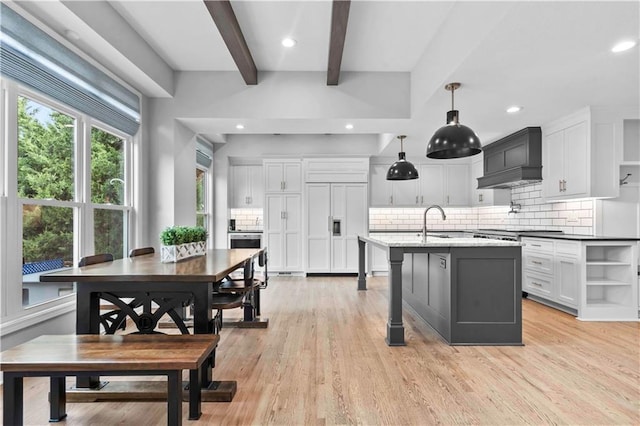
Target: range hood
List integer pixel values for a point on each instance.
(514, 160)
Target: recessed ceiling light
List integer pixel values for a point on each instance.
(349, 126)
(239, 126)
(514, 109)
(622, 46)
(288, 42)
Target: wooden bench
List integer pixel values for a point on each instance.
(112, 355)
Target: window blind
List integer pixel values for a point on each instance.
(204, 153)
(35, 59)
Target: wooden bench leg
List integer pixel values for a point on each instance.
(195, 394)
(174, 398)
(58, 395)
(12, 399)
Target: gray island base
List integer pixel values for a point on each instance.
(469, 290)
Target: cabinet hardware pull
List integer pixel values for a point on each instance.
(422, 199)
(416, 199)
(391, 199)
(536, 284)
(560, 185)
(536, 245)
(564, 186)
(480, 197)
(447, 199)
(284, 185)
(536, 262)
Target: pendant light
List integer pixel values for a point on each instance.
(453, 140)
(402, 169)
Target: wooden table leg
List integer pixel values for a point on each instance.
(174, 398)
(12, 399)
(195, 395)
(58, 399)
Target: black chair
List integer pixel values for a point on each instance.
(242, 289)
(141, 251)
(96, 258)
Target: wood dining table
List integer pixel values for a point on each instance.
(144, 289)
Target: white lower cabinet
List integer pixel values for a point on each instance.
(598, 278)
(283, 232)
(551, 270)
(336, 215)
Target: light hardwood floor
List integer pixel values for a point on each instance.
(323, 360)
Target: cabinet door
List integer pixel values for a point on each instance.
(575, 160)
(240, 187)
(477, 170)
(553, 169)
(273, 230)
(292, 177)
(567, 277)
(431, 184)
(457, 185)
(273, 177)
(380, 188)
(405, 193)
(318, 225)
(292, 231)
(256, 183)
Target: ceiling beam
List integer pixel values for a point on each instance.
(339, 18)
(224, 18)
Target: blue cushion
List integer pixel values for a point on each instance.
(45, 265)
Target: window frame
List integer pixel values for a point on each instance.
(12, 313)
(207, 198)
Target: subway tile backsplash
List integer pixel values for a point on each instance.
(573, 217)
(247, 219)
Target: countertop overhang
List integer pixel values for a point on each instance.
(432, 241)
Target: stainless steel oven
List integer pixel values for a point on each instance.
(245, 240)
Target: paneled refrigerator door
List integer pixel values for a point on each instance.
(348, 219)
(318, 227)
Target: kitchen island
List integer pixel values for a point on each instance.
(468, 290)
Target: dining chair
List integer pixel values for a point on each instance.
(107, 319)
(141, 251)
(94, 259)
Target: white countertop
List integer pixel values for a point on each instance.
(413, 240)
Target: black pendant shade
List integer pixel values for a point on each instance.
(453, 140)
(402, 169)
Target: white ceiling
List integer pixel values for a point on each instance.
(550, 57)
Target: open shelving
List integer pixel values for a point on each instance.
(611, 282)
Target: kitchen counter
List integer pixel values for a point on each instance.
(436, 241)
(467, 289)
(575, 237)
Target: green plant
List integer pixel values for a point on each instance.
(177, 235)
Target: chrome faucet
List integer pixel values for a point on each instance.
(424, 220)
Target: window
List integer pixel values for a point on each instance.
(71, 191)
(202, 215)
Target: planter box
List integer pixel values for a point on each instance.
(182, 251)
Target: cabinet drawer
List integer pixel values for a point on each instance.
(568, 247)
(538, 245)
(538, 262)
(537, 284)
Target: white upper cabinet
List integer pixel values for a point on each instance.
(580, 153)
(283, 175)
(432, 184)
(247, 188)
(457, 185)
(487, 196)
(442, 184)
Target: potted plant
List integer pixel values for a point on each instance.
(182, 242)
